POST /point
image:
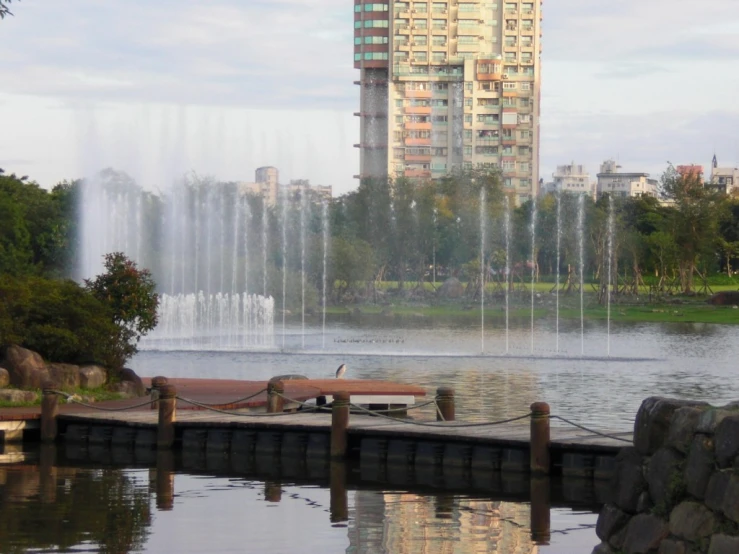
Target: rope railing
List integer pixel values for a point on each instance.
(230, 412)
(71, 398)
(231, 402)
(440, 424)
(605, 435)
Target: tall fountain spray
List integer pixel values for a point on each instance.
(581, 248)
(533, 267)
(610, 274)
(284, 259)
(559, 254)
(482, 269)
(303, 209)
(324, 218)
(507, 268)
(264, 246)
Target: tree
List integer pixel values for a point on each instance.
(130, 294)
(4, 9)
(694, 223)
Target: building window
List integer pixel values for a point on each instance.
(486, 150)
(488, 118)
(375, 56)
(375, 7)
(508, 165)
(524, 167)
(468, 118)
(357, 57)
(375, 40)
(439, 7)
(467, 150)
(421, 7)
(510, 86)
(373, 23)
(526, 85)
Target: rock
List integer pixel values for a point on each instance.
(126, 388)
(699, 466)
(645, 503)
(723, 544)
(668, 546)
(716, 490)
(610, 521)
(682, 428)
(665, 478)
(602, 548)
(653, 422)
(730, 506)
(725, 298)
(92, 377)
(710, 419)
(26, 368)
(66, 376)
(129, 375)
(4, 378)
(451, 288)
(692, 521)
(726, 441)
(629, 479)
(644, 534)
(15, 395)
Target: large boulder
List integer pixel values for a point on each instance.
(727, 441)
(451, 288)
(65, 376)
(692, 521)
(700, 465)
(15, 395)
(26, 368)
(723, 544)
(92, 376)
(725, 298)
(4, 378)
(653, 422)
(665, 477)
(644, 534)
(610, 521)
(629, 479)
(136, 386)
(682, 428)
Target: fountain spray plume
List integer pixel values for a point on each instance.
(610, 273)
(325, 229)
(581, 248)
(559, 241)
(507, 268)
(533, 266)
(482, 268)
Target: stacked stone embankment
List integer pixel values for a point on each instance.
(676, 491)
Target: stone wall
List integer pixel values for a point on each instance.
(676, 491)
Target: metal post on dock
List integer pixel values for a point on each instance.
(275, 401)
(445, 402)
(339, 424)
(167, 415)
(156, 383)
(539, 447)
(272, 491)
(541, 532)
(49, 411)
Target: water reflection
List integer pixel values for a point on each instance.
(66, 499)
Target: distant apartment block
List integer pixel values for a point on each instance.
(449, 85)
(612, 181)
(572, 178)
(267, 185)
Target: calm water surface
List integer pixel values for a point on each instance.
(98, 509)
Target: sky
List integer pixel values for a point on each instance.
(161, 88)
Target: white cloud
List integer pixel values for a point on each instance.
(228, 85)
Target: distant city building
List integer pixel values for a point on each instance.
(723, 179)
(570, 178)
(267, 185)
(449, 85)
(611, 181)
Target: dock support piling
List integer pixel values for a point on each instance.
(49, 411)
(156, 383)
(339, 424)
(167, 416)
(541, 510)
(339, 499)
(540, 459)
(445, 402)
(275, 401)
(165, 480)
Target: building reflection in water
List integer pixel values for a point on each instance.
(407, 523)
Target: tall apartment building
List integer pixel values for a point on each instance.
(571, 178)
(447, 85)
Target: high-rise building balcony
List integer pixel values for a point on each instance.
(423, 110)
(414, 141)
(418, 93)
(417, 158)
(412, 126)
(417, 173)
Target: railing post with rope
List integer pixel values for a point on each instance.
(49, 411)
(156, 383)
(539, 448)
(339, 424)
(445, 404)
(541, 515)
(275, 399)
(167, 415)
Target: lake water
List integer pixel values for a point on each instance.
(103, 509)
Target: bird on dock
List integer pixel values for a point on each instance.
(340, 372)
